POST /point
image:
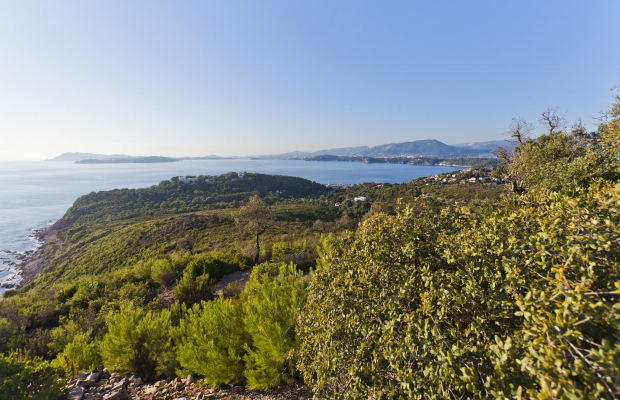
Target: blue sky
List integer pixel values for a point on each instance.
(193, 78)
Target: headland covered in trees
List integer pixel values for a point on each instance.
(495, 282)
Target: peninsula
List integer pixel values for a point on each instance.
(136, 160)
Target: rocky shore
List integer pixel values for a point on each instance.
(103, 385)
(29, 263)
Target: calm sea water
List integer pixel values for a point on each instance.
(34, 194)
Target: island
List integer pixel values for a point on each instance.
(136, 160)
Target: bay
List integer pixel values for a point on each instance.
(33, 194)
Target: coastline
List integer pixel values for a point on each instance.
(27, 264)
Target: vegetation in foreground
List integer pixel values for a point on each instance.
(427, 297)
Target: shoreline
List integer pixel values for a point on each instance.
(26, 265)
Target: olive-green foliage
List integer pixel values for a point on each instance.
(190, 290)
(211, 341)
(281, 248)
(81, 354)
(11, 336)
(561, 160)
(522, 303)
(138, 341)
(177, 197)
(25, 378)
(251, 339)
(271, 307)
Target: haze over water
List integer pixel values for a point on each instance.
(34, 194)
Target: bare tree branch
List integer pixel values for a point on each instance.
(551, 118)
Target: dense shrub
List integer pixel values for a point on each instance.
(81, 354)
(24, 378)
(211, 341)
(190, 290)
(250, 339)
(522, 303)
(271, 307)
(138, 341)
(281, 248)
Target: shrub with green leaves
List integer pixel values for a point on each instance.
(251, 339)
(522, 303)
(211, 340)
(24, 378)
(281, 248)
(271, 306)
(190, 290)
(138, 341)
(81, 354)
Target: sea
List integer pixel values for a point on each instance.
(34, 194)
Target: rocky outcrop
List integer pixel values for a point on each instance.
(103, 385)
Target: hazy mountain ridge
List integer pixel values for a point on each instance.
(416, 148)
(77, 156)
(132, 160)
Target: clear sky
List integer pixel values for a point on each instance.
(193, 78)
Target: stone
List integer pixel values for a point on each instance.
(117, 395)
(120, 384)
(89, 396)
(165, 391)
(178, 386)
(189, 380)
(83, 375)
(137, 382)
(93, 377)
(180, 398)
(99, 368)
(85, 383)
(150, 390)
(76, 394)
(159, 383)
(236, 389)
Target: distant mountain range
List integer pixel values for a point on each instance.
(87, 156)
(91, 158)
(131, 160)
(417, 148)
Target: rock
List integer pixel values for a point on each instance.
(93, 377)
(83, 375)
(137, 382)
(76, 394)
(236, 389)
(85, 383)
(165, 391)
(121, 384)
(178, 386)
(159, 383)
(189, 380)
(150, 390)
(89, 396)
(118, 395)
(99, 368)
(102, 382)
(180, 398)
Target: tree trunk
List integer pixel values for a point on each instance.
(258, 233)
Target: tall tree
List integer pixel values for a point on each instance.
(255, 217)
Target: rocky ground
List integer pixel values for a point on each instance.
(103, 385)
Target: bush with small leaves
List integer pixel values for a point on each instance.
(521, 303)
(138, 341)
(24, 378)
